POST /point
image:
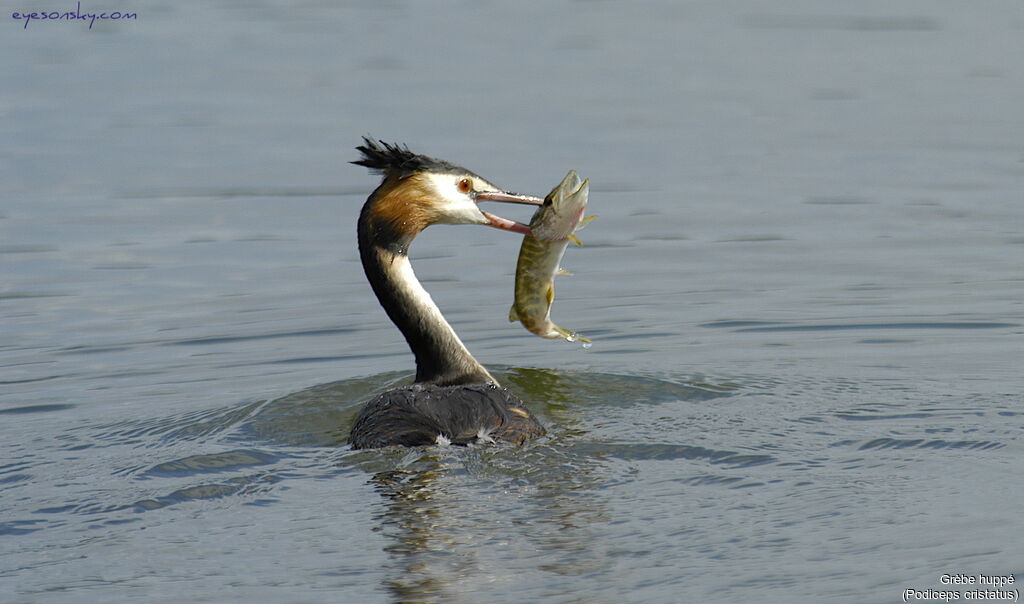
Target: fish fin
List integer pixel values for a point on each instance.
(573, 238)
(551, 294)
(586, 220)
(562, 271)
(513, 316)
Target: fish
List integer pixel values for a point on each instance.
(551, 229)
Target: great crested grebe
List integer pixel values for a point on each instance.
(454, 399)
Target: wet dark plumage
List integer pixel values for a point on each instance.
(416, 414)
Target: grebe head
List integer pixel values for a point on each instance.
(418, 191)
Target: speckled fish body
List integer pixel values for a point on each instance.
(552, 227)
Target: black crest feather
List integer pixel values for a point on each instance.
(383, 157)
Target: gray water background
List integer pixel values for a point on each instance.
(804, 288)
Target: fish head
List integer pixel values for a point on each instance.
(562, 210)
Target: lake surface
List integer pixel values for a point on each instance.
(804, 290)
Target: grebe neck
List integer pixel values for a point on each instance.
(441, 357)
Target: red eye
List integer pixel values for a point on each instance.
(465, 185)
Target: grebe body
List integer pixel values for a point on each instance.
(454, 399)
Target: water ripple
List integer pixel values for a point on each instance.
(262, 336)
(920, 443)
(764, 326)
(189, 426)
(36, 409)
(663, 451)
(224, 461)
(255, 484)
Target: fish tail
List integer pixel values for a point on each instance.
(569, 336)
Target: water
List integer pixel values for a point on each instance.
(804, 292)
